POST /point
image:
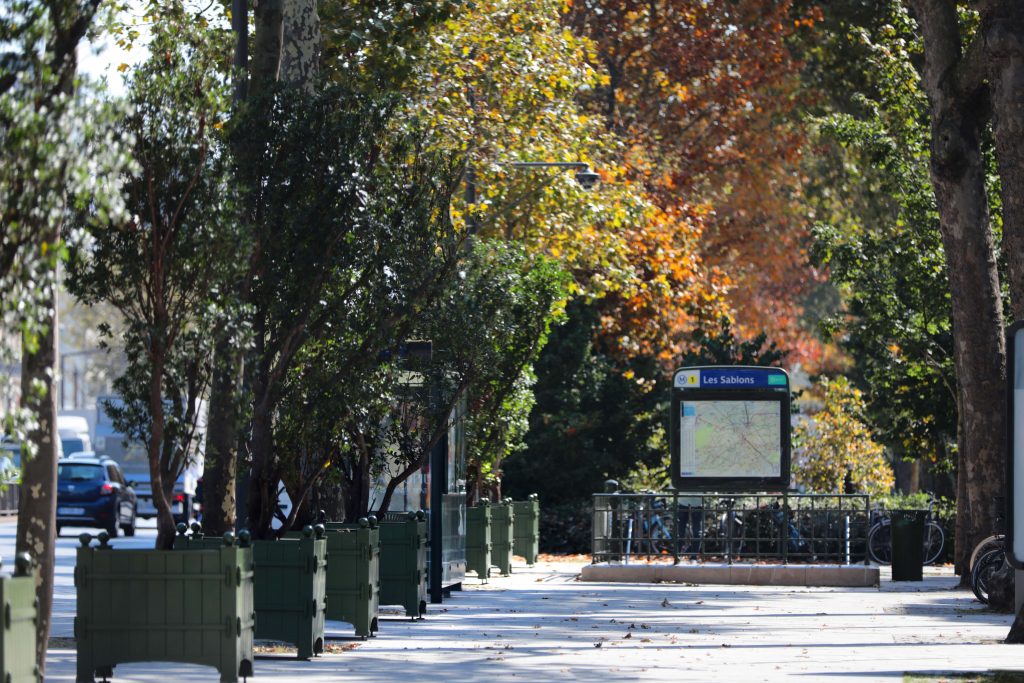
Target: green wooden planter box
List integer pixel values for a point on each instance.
(193, 607)
(478, 540)
(289, 586)
(353, 574)
(403, 562)
(526, 529)
(18, 630)
(501, 537)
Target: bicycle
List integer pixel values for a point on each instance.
(981, 574)
(993, 542)
(655, 532)
(709, 527)
(729, 531)
(880, 539)
(771, 530)
(795, 541)
(986, 559)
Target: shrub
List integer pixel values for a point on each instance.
(566, 527)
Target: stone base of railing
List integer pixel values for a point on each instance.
(736, 574)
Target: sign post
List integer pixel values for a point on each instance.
(1015, 457)
(730, 429)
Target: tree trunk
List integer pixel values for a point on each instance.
(266, 55)
(300, 53)
(1002, 27)
(37, 509)
(979, 349)
(395, 482)
(328, 496)
(1003, 30)
(158, 487)
(1016, 634)
(263, 476)
(364, 481)
(958, 117)
(287, 47)
(221, 442)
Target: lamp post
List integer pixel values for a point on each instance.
(585, 177)
(69, 354)
(443, 500)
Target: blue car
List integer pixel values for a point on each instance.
(93, 492)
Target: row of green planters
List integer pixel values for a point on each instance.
(496, 532)
(207, 602)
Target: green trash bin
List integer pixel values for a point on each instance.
(526, 529)
(478, 539)
(502, 523)
(908, 545)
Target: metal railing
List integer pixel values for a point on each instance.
(826, 529)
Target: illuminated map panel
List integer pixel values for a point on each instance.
(730, 439)
(730, 429)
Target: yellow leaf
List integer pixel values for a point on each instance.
(122, 67)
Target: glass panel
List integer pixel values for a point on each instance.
(72, 446)
(79, 472)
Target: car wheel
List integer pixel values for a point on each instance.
(129, 528)
(59, 527)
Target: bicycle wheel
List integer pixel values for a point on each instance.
(880, 543)
(987, 565)
(661, 541)
(993, 542)
(934, 542)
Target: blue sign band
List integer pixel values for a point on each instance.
(742, 379)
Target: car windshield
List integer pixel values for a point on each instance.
(79, 472)
(73, 446)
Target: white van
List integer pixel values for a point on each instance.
(73, 431)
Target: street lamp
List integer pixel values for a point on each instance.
(585, 177)
(63, 357)
(441, 495)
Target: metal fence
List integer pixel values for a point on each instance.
(827, 529)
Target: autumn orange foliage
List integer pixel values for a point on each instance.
(705, 94)
(674, 290)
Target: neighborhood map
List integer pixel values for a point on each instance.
(730, 439)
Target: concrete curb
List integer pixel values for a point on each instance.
(859, 576)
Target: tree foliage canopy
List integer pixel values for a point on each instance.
(833, 449)
(168, 267)
(59, 154)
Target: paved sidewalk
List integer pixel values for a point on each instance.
(542, 624)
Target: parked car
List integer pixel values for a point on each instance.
(134, 462)
(93, 492)
(86, 455)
